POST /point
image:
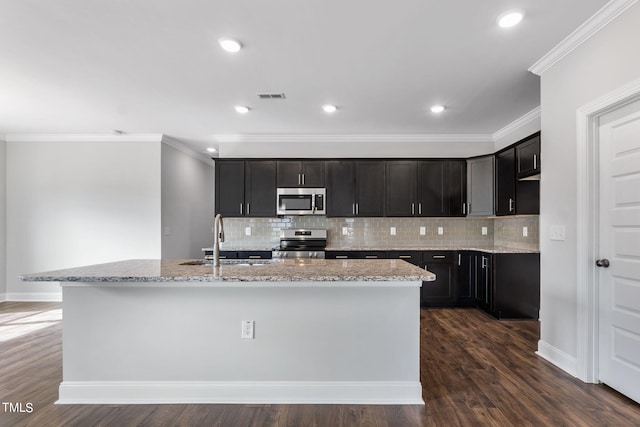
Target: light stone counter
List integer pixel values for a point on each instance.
(231, 271)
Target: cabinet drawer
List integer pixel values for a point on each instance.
(254, 254)
(356, 254)
(437, 256)
(413, 257)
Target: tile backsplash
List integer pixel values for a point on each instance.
(373, 232)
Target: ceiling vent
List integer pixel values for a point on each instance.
(271, 96)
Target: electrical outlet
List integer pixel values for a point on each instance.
(557, 232)
(423, 231)
(484, 231)
(247, 329)
(392, 231)
(440, 231)
(247, 231)
(525, 231)
(345, 231)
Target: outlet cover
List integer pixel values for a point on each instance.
(345, 231)
(392, 231)
(525, 231)
(423, 231)
(247, 231)
(485, 231)
(557, 232)
(248, 329)
(440, 231)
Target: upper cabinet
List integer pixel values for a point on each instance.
(425, 188)
(480, 175)
(355, 188)
(528, 157)
(246, 188)
(301, 173)
(505, 196)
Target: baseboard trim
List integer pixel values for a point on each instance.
(558, 357)
(233, 392)
(34, 296)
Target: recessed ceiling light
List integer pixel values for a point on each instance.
(211, 150)
(230, 45)
(510, 18)
(241, 109)
(328, 108)
(437, 108)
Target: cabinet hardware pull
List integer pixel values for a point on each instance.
(357, 208)
(413, 208)
(535, 161)
(255, 257)
(341, 257)
(248, 208)
(464, 209)
(511, 205)
(353, 208)
(438, 256)
(405, 256)
(371, 257)
(241, 208)
(299, 179)
(419, 208)
(459, 259)
(303, 179)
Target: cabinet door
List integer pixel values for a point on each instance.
(260, 188)
(480, 176)
(432, 199)
(289, 173)
(464, 279)
(506, 183)
(528, 197)
(483, 290)
(370, 188)
(341, 188)
(230, 188)
(528, 157)
(440, 292)
(457, 187)
(313, 174)
(400, 188)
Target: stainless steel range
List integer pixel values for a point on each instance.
(301, 243)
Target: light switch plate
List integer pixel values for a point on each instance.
(392, 231)
(440, 231)
(247, 329)
(247, 231)
(484, 231)
(525, 231)
(345, 231)
(557, 232)
(423, 231)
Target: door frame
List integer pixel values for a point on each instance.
(587, 222)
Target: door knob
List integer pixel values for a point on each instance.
(603, 263)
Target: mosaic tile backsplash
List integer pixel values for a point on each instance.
(376, 232)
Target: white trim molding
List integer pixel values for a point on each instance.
(106, 137)
(587, 225)
(183, 148)
(34, 296)
(592, 26)
(558, 357)
(348, 138)
(517, 124)
(247, 392)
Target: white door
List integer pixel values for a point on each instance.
(619, 233)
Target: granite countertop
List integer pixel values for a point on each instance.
(290, 270)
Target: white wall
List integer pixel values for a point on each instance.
(518, 133)
(602, 64)
(187, 204)
(78, 203)
(3, 219)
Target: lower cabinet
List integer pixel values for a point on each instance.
(442, 291)
(240, 254)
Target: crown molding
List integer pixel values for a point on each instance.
(101, 137)
(180, 146)
(384, 138)
(590, 27)
(517, 124)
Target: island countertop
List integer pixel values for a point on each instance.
(289, 270)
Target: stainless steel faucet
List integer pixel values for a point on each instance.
(219, 237)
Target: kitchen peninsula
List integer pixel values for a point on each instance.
(285, 331)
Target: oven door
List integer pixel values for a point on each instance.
(300, 201)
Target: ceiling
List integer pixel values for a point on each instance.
(154, 66)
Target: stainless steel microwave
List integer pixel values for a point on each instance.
(301, 201)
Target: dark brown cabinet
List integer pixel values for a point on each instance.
(301, 173)
(246, 188)
(400, 187)
(355, 188)
(505, 194)
(457, 187)
(442, 291)
(432, 198)
(356, 255)
(528, 157)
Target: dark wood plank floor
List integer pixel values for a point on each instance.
(475, 371)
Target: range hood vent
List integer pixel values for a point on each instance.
(271, 96)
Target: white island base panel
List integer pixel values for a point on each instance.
(180, 342)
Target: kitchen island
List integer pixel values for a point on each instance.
(171, 331)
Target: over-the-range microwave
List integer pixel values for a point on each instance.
(301, 201)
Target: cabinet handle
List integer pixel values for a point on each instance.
(248, 208)
(405, 257)
(371, 257)
(413, 208)
(341, 257)
(303, 179)
(299, 179)
(535, 161)
(255, 257)
(484, 262)
(353, 208)
(464, 209)
(241, 208)
(459, 259)
(419, 208)
(438, 256)
(511, 205)
(357, 208)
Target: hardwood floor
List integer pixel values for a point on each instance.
(474, 371)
